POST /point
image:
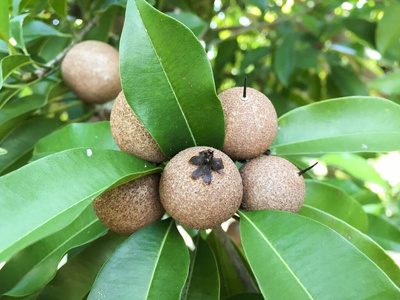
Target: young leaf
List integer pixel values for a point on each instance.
(384, 233)
(363, 243)
(352, 124)
(69, 181)
(31, 268)
(203, 279)
(334, 201)
(151, 264)
(75, 279)
(168, 82)
(294, 257)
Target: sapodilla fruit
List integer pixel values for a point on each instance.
(250, 122)
(131, 206)
(201, 187)
(271, 182)
(130, 134)
(91, 70)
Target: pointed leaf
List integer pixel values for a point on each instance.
(10, 63)
(36, 29)
(384, 232)
(31, 268)
(72, 179)
(352, 124)
(60, 7)
(364, 243)
(294, 257)
(168, 82)
(203, 279)
(388, 84)
(336, 202)
(151, 264)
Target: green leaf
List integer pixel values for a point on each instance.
(36, 29)
(190, 20)
(294, 257)
(388, 84)
(16, 25)
(151, 264)
(336, 202)
(102, 6)
(362, 28)
(22, 140)
(60, 7)
(101, 32)
(3, 151)
(203, 279)
(388, 29)
(11, 63)
(246, 296)
(229, 279)
(352, 124)
(72, 179)
(4, 21)
(363, 243)
(76, 135)
(75, 279)
(17, 111)
(168, 82)
(348, 82)
(356, 166)
(30, 269)
(284, 63)
(384, 232)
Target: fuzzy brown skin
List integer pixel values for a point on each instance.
(91, 70)
(131, 206)
(250, 125)
(130, 134)
(271, 182)
(194, 203)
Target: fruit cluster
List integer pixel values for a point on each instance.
(200, 187)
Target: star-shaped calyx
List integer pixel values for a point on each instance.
(207, 163)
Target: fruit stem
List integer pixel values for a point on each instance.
(307, 169)
(245, 89)
(240, 268)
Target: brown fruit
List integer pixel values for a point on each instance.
(131, 206)
(91, 70)
(271, 182)
(130, 134)
(250, 124)
(194, 202)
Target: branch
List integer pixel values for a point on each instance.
(240, 268)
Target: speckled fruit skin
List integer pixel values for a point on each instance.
(131, 206)
(250, 125)
(194, 203)
(91, 70)
(130, 134)
(271, 182)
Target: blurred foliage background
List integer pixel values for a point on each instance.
(296, 52)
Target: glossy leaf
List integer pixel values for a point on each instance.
(36, 29)
(284, 58)
(384, 232)
(22, 140)
(203, 279)
(75, 279)
(158, 51)
(75, 135)
(192, 21)
(151, 264)
(334, 201)
(4, 21)
(60, 7)
(3, 151)
(283, 249)
(73, 178)
(17, 111)
(363, 243)
(11, 63)
(352, 124)
(388, 84)
(356, 166)
(229, 279)
(17, 33)
(388, 29)
(30, 269)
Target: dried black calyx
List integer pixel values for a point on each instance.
(207, 163)
(307, 169)
(267, 152)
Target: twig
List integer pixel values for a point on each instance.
(240, 268)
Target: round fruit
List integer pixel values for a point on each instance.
(91, 70)
(201, 187)
(271, 182)
(131, 206)
(250, 123)
(130, 134)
